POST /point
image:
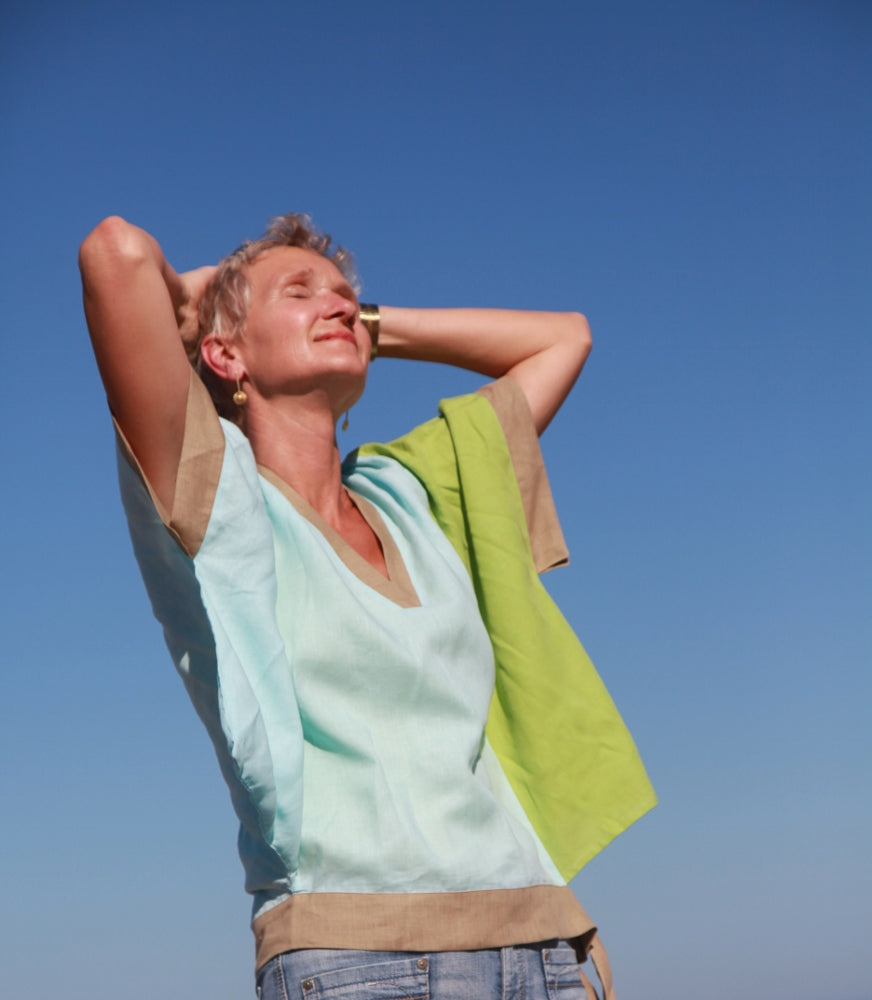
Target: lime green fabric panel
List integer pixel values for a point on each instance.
(559, 738)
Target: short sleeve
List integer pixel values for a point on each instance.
(513, 412)
(199, 471)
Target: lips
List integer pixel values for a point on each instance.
(345, 335)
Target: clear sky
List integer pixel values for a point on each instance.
(695, 177)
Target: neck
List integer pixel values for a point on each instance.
(297, 441)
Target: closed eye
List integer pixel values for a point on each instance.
(294, 285)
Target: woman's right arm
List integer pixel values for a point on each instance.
(140, 313)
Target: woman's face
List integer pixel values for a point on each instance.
(303, 330)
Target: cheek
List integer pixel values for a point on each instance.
(266, 332)
(274, 349)
(285, 322)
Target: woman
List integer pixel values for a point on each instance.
(407, 821)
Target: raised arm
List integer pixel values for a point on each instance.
(543, 352)
(139, 312)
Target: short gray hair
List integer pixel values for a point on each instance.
(224, 305)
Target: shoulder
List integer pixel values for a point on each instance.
(483, 447)
(217, 474)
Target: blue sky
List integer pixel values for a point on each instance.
(695, 177)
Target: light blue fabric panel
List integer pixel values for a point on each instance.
(350, 730)
(218, 614)
(394, 702)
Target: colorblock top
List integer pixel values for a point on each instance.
(387, 798)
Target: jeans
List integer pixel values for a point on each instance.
(546, 971)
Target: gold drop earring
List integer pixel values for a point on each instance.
(240, 397)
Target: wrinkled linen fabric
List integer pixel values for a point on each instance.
(422, 801)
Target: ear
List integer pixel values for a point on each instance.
(221, 357)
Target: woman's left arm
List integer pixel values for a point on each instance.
(543, 352)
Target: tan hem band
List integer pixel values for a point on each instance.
(421, 921)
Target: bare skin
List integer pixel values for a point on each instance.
(302, 359)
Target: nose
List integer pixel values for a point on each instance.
(338, 306)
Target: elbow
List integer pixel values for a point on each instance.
(578, 337)
(113, 243)
(580, 330)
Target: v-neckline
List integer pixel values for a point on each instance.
(397, 586)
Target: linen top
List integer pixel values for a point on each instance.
(347, 710)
